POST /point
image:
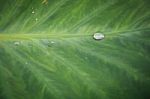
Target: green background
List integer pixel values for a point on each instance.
(47, 50)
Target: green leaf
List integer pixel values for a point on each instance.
(47, 50)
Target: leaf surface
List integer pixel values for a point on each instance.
(47, 50)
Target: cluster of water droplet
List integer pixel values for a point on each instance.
(45, 42)
(33, 12)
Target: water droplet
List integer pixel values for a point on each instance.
(98, 36)
(33, 12)
(36, 19)
(17, 43)
(52, 42)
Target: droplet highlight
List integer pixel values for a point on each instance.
(33, 12)
(52, 42)
(36, 19)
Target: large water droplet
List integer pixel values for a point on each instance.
(98, 36)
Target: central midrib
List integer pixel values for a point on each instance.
(47, 36)
(39, 36)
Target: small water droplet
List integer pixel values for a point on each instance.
(52, 42)
(98, 36)
(33, 12)
(17, 43)
(36, 19)
(26, 63)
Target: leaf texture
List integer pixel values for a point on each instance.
(47, 50)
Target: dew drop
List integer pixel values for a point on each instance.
(98, 36)
(33, 12)
(16, 43)
(36, 19)
(52, 42)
